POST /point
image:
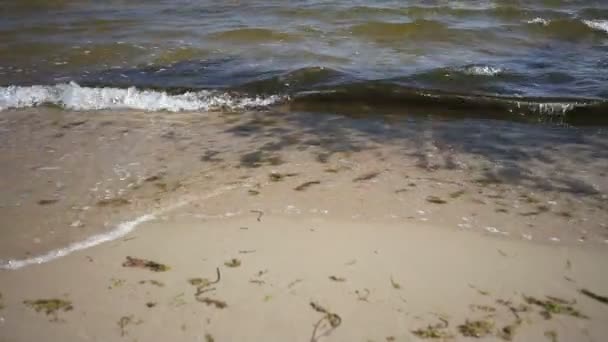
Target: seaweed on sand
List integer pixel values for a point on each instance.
(333, 319)
(143, 263)
(113, 202)
(601, 299)
(152, 282)
(203, 285)
(214, 302)
(306, 185)
(476, 329)
(554, 305)
(49, 306)
(337, 279)
(48, 201)
(367, 176)
(395, 284)
(436, 200)
(260, 214)
(434, 331)
(125, 321)
(233, 263)
(362, 295)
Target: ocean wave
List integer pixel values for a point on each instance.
(483, 70)
(539, 20)
(600, 25)
(74, 97)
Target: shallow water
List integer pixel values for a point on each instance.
(532, 57)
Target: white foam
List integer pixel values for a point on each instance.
(483, 70)
(600, 25)
(72, 96)
(539, 20)
(120, 231)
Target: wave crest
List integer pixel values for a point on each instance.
(74, 97)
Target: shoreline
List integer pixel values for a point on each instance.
(405, 230)
(382, 280)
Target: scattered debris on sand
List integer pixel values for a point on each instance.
(213, 302)
(481, 292)
(337, 279)
(233, 263)
(260, 214)
(151, 304)
(152, 282)
(601, 299)
(49, 306)
(434, 331)
(48, 201)
(363, 295)
(457, 194)
(306, 185)
(395, 284)
(124, 322)
(554, 305)
(476, 329)
(143, 263)
(436, 200)
(114, 283)
(113, 202)
(203, 285)
(333, 319)
(367, 176)
(484, 308)
(294, 283)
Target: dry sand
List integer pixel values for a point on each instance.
(391, 235)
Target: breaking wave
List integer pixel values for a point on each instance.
(74, 97)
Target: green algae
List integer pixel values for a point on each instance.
(49, 306)
(555, 305)
(434, 331)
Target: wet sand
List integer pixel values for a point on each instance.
(417, 223)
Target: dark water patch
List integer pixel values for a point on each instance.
(382, 95)
(388, 31)
(254, 36)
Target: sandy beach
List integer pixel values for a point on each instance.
(276, 231)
